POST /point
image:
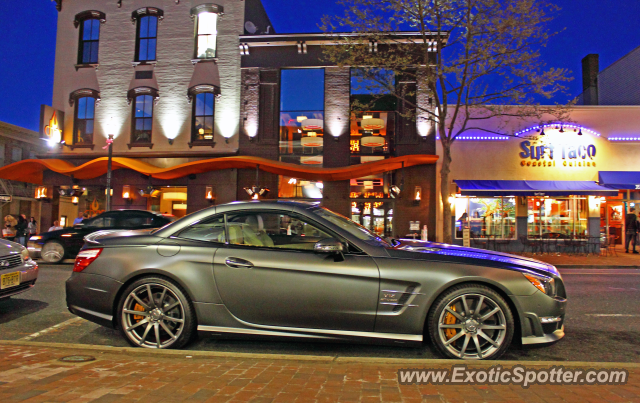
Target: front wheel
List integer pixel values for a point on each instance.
(52, 252)
(471, 322)
(155, 313)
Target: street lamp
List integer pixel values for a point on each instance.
(109, 192)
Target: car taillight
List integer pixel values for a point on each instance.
(85, 258)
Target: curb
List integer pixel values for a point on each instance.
(314, 358)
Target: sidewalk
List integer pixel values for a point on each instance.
(621, 261)
(32, 374)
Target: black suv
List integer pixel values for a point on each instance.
(55, 246)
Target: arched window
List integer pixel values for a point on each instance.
(206, 18)
(146, 32)
(83, 122)
(88, 45)
(142, 120)
(203, 117)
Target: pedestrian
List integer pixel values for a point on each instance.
(631, 225)
(78, 219)
(9, 230)
(21, 230)
(56, 226)
(32, 227)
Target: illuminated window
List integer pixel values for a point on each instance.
(207, 32)
(147, 37)
(488, 216)
(203, 114)
(302, 116)
(89, 41)
(557, 217)
(143, 119)
(83, 122)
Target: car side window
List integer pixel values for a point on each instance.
(210, 230)
(136, 221)
(273, 230)
(102, 222)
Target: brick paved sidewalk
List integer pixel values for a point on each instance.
(32, 374)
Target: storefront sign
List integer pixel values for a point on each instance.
(51, 124)
(566, 155)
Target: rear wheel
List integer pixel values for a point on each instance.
(155, 313)
(471, 322)
(52, 252)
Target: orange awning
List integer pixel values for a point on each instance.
(32, 170)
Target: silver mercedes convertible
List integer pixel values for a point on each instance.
(293, 269)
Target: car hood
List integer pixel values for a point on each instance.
(481, 256)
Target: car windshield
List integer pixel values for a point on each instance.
(353, 228)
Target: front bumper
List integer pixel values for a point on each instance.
(28, 276)
(542, 318)
(34, 249)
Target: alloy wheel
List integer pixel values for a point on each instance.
(472, 327)
(153, 316)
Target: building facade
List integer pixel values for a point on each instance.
(17, 144)
(205, 103)
(567, 180)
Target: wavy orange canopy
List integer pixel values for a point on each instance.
(32, 170)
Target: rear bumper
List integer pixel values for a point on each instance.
(92, 297)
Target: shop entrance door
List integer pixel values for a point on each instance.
(612, 215)
(376, 216)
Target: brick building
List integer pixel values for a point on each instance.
(207, 104)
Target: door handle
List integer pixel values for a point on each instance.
(237, 263)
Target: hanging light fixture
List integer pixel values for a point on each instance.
(561, 129)
(580, 132)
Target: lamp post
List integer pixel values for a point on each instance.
(110, 155)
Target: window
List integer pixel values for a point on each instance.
(143, 119)
(211, 230)
(83, 122)
(16, 154)
(103, 221)
(89, 41)
(490, 216)
(133, 220)
(206, 35)
(273, 230)
(203, 114)
(557, 218)
(302, 116)
(147, 38)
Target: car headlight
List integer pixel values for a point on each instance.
(543, 283)
(25, 254)
(35, 238)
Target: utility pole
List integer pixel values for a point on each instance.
(110, 143)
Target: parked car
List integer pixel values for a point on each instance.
(18, 272)
(291, 269)
(57, 245)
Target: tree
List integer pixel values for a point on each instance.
(474, 59)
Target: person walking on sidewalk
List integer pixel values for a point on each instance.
(631, 225)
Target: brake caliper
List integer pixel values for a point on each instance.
(449, 319)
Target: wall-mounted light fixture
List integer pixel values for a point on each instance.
(126, 192)
(417, 195)
(210, 194)
(75, 200)
(43, 193)
(105, 192)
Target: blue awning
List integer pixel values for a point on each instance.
(619, 179)
(532, 188)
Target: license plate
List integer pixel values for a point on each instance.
(9, 280)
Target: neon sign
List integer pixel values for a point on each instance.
(52, 130)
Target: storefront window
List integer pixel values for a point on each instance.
(554, 217)
(492, 216)
(293, 188)
(372, 136)
(376, 216)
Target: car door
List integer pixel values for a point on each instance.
(269, 274)
(75, 240)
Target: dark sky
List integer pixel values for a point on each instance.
(28, 29)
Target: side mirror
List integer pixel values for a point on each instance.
(328, 245)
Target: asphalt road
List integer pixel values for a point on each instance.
(602, 323)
